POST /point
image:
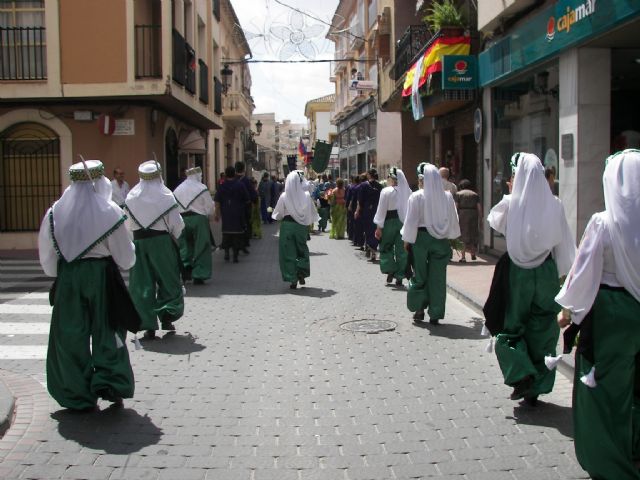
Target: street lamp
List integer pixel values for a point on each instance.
(258, 127)
(226, 74)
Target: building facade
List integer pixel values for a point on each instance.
(561, 80)
(318, 113)
(268, 144)
(121, 81)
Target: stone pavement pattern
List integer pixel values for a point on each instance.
(261, 383)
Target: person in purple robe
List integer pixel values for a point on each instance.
(231, 200)
(348, 197)
(253, 198)
(368, 197)
(358, 232)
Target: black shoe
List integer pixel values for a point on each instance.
(109, 395)
(418, 316)
(389, 277)
(167, 325)
(368, 253)
(399, 282)
(531, 400)
(372, 259)
(293, 285)
(434, 321)
(186, 274)
(198, 281)
(521, 388)
(301, 281)
(149, 335)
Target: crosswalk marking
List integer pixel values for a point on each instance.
(9, 308)
(23, 352)
(24, 328)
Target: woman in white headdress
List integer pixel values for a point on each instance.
(389, 217)
(82, 242)
(297, 211)
(430, 222)
(602, 291)
(154, 281)
(541, 249)
(196, 205)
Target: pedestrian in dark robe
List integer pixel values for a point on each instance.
(368, 198)
(358, 229)
(231, 200)
(253, 198)
(348, 197)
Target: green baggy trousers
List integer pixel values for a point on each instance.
(607, 417)
(428, 287)
(293, 251)
(393, 257)
(154, 281)
(195, 246)
(84, 358)
(530, 327)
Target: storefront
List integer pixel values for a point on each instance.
(562, 84)
(357, 140)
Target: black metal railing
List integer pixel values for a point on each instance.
(23, 53)
(217, 96)
(179, 58)
(410, 44)
(204, 82)
(148, 49)
(216, 9)
(190, 77)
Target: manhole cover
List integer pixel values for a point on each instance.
(369, 325)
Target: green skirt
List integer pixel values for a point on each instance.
(86, 357)
(195, 246)
(338, 221)
(293, 251)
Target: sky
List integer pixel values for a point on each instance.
(284, 89)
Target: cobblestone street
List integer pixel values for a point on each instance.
(260, 382)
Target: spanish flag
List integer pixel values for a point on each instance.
(433, 59)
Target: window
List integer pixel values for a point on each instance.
(22, 40)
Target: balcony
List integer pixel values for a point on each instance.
(408, 47)
(237, 110)
(148, 49)
(204, 82)
(179, 58)
(23, 53)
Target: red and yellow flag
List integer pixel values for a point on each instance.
(433, 59)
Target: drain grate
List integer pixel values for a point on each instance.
(369, 325)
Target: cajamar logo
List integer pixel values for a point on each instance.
(572, 16)
(461, 67)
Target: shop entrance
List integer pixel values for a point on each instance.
(625, 98)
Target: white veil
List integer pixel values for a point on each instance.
(150, 199)
(440, 216)
(297, 199)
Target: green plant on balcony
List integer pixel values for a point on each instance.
(443, 14)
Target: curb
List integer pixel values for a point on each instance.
(566, 365)
(7, 407)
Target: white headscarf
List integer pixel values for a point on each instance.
(190, 189)
(297, 200)
(149, 200)
(84, 215)
(404, 191)
(440, 215)
(534, 217)
(621, 182)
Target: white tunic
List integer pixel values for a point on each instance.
(203, 205)
(388, 201)
(118, 193)
(117, 245)
(171, 222)
(594, 265)
(416, 217)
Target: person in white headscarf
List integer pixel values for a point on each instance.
(389, 217)
(82, 242)
(154, 281)
(541, 249)
(195, 204)
(602, 292)
(297, 211)
(430, 222)
(119, 187)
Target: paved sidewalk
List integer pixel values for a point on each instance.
(261, 382)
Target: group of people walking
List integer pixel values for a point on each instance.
(540, 285)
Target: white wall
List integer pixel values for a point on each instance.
(323, 126)
(489, 11)
(389, 138)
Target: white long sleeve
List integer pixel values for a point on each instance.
(280, 210)
(414, 217)
(583, 281)
(565, 252)
(497, 217)
(171, 222)
(387, 202)
(203, 204)
(46, 251)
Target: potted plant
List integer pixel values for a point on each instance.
(443, 16)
